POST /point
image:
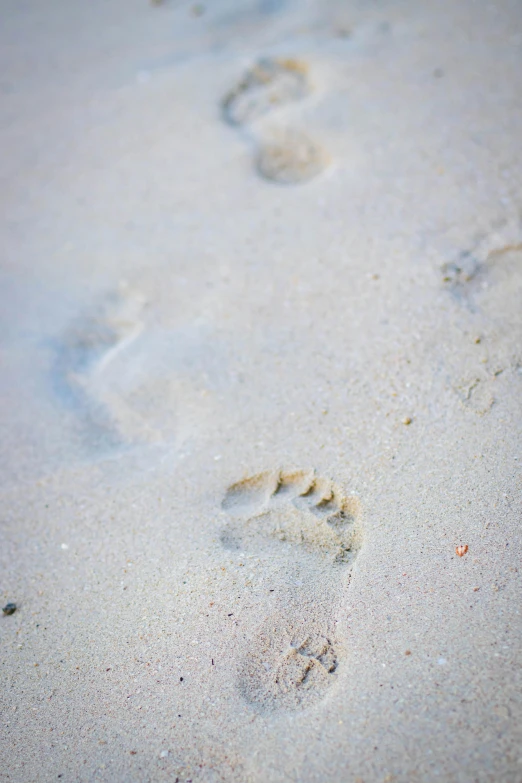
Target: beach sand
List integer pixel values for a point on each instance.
(261, 375)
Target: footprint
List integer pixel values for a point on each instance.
(487, 282)
(487, 278)
(461, 274)
(476, 395)
(84, 357)
(284, 156)
(268, 84)
(306, 535)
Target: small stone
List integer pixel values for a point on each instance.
(9, 609)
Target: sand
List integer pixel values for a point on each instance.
(261, 278)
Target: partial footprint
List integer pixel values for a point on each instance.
(297, 507)
(283, 156)
(487, 282)
(291, 158)
(288, 668)
(305, 534)
(476, 395)
(84, 358)
(268, 84)
(488, 277)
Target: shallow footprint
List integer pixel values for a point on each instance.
(291, 158)
(487, 282)
(84, 355)
(487, 278)
(306, 534)
(270, 83)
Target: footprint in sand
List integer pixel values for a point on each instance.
(306, 535)
(268, 84)
(284, 156)
(85, 355)
(290, 158)
(488, 278)
(487, 282)
(476, 394)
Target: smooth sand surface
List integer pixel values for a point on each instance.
(261, 374)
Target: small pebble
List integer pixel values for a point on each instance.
(9, 609)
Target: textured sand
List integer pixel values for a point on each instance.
(255, 391)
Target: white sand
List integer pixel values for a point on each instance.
(174, 323)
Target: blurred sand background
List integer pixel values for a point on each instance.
(261, 374)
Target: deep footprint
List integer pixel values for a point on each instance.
(306, 534)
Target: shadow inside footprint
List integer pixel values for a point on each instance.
(307, 534)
